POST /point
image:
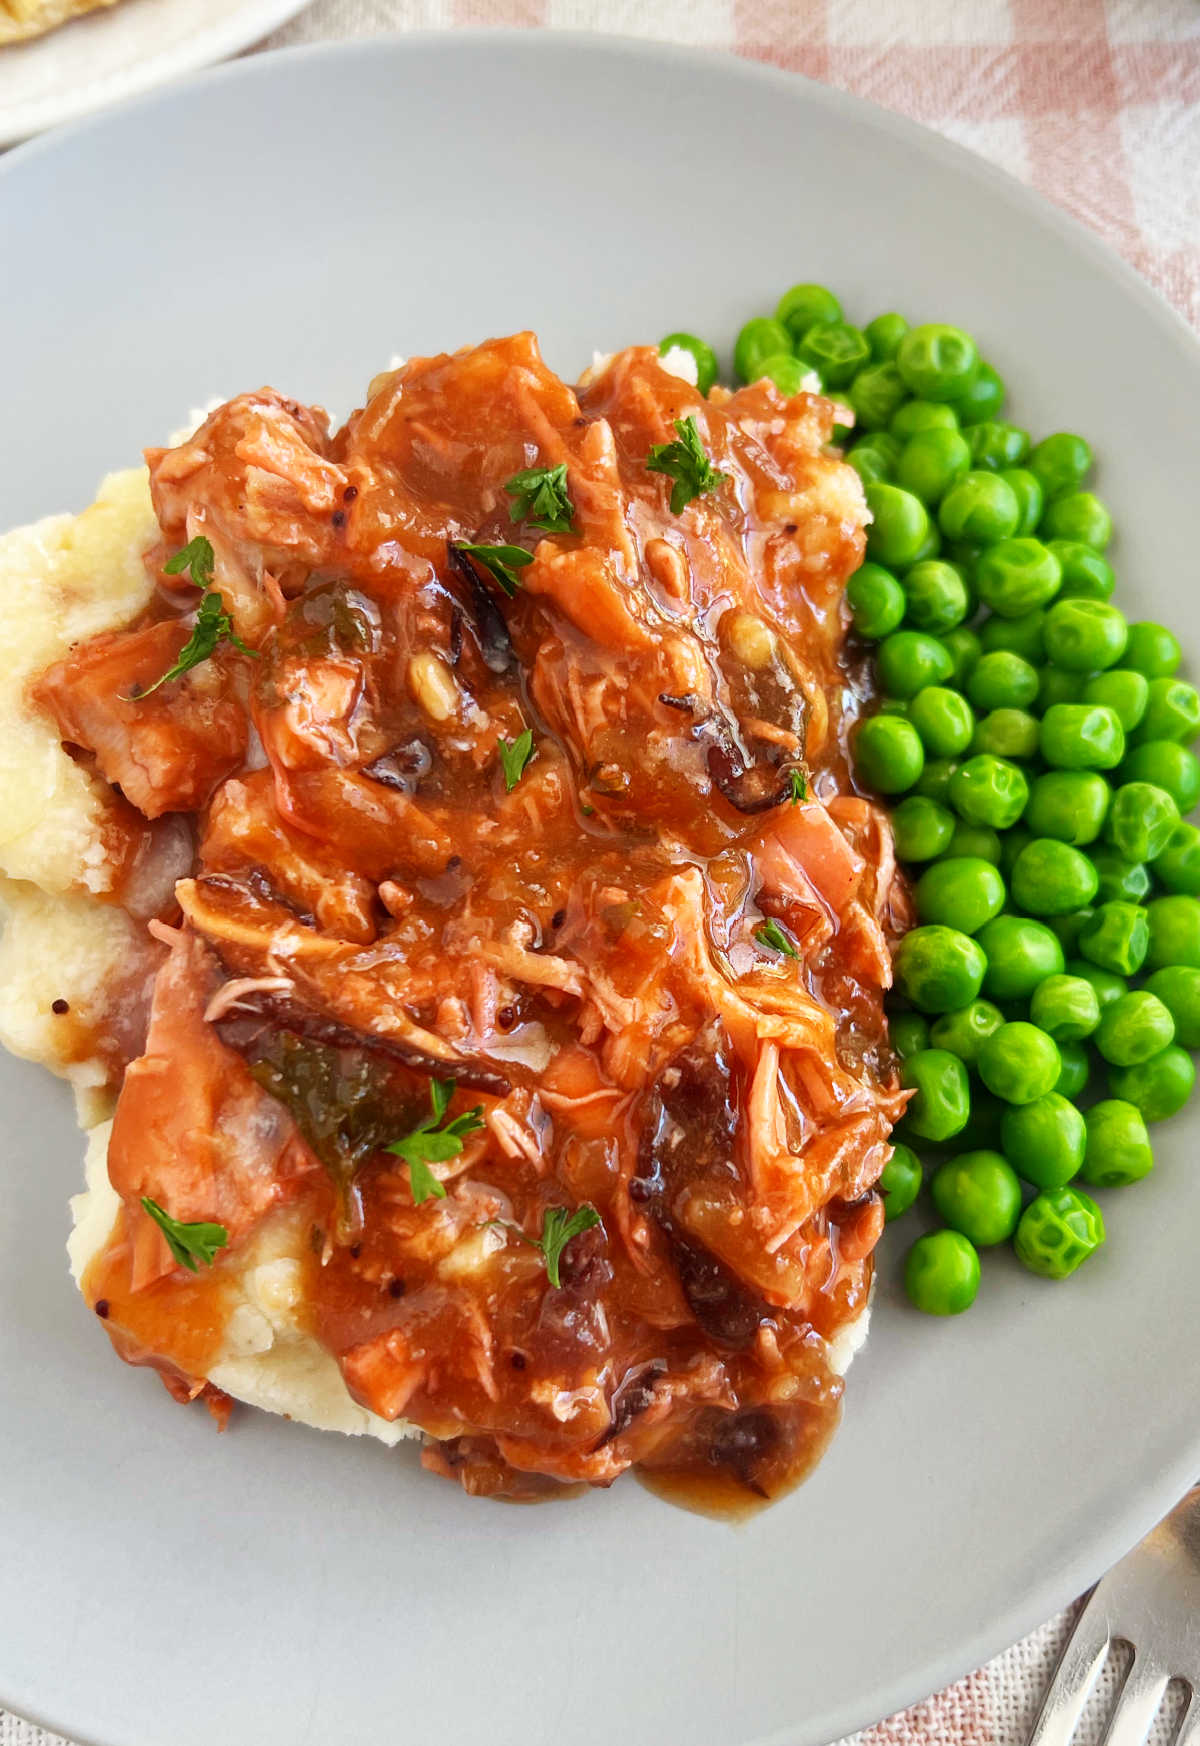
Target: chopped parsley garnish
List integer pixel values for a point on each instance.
(189, 1244)
(514, 755)
(797, 785)
(196, 558)
(431, 1143)
(540, 497)
(771, 935)
(686, 462)
(501, 563)
(558, 1227)
(213, 623)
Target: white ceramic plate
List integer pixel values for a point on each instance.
(298, 219)
(120, 51)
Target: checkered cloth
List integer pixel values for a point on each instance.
(1096, 103)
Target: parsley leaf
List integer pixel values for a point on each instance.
(187, 1243)
(196, 558)
(541, 498)
(558, 1227)
(431, 1143)
(686, 462)
(770, 934)
(514, 756)
(797, 785)
(213, 625)
(501, 563)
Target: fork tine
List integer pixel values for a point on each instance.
(1189, 1728)
(1076, 1674)
(1137, 1706)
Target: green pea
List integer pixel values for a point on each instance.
(929, 548)
(910, 660)
(908, 1032)
(1029, 496)
(1174, 932)
(1007, 733)
(1107, 984)
(965, 1031)
(1076, 1067)
(1172, 712)
(1152, 650)
(1068, 804)
(1065, 1007)
(960, 893)
(981, 507)
(876, 395)
(1086, 574)
(1057, 1232)
(1062, 462)
(1055, 686)
(788, 372)
(1177, 866)
(978, 1194)
(1134, 1028)
(1121, 881)
(876, 600)
(936, 596)
(1117, 1148)
(802, 306)
(1159, 1087)
(918, 416)
(941, 1094)
(997, 446)
(1168, 765)
(870, 462)
(762, 337)
(983, 398)
(931, 462)
(935, 780)
(1140, 821)
(1019, 1063)
(1084, 635)
(1178, 987)
(1012, 842)
(937, 362)
(939, 969)
(988, 791)
(1023, 635)
(964, 650)
(941, 1273)
(1078, 516)
(900, 1182)
(1052, 878)
(1067, 928)
(1044, 1140)
(1121, 690)
(1019, 953)
(705, 357)
(944, 719)
(922, 828)
(836, 349)
(884, 335)
(964, 553)
(898, 527)
(1002, 680)
(1116, 937)
(1015, 576)
(888, 755)
(1082, 736)
(979, 841)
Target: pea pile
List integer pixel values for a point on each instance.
(1034, 748)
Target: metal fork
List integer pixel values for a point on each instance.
(1152, 1602)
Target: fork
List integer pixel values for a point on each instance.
(1151, 1601)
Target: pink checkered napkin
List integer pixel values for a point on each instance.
(1096, 103)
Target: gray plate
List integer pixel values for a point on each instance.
(295, 219)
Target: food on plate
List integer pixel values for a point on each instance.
(434, 856)
(1034, 747)
(20, 19)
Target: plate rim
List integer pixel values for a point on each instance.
(1173, 1475)
(25, 122)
